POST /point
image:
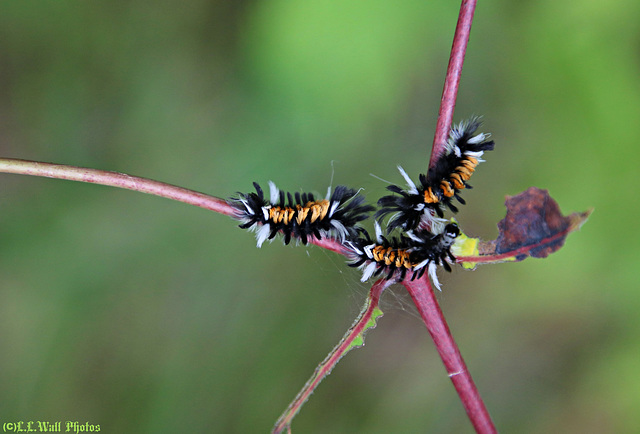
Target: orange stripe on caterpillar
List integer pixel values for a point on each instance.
(426, 200)
(301, 216)
(396, 257)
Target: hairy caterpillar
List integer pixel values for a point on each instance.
(301, 216)
(442, 183)
(415, 253)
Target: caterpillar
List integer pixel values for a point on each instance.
(301, 216)
(441, 184)
(419, 251)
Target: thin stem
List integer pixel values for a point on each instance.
(454, 71)
(135, 183)
(421, 290)
(512, 255)
(115, 179)
(330, 244)
(352, 339)
(424, 298)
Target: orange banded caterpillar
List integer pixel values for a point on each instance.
(415, 253)
(301, 216)
(441, 184)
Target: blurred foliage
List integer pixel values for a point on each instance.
(144, 315)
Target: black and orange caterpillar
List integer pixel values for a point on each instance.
(415, 253)
(301, 216)
(441, 184)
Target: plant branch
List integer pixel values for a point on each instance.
(135, 183)
(354, 338)
(454, 71)
(421, 290)
(424, 298)
(115, 179)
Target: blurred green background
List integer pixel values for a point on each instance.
(145, 315)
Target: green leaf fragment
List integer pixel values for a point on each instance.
(358, 341)
(353, 338)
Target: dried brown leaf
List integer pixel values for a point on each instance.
(533, 226)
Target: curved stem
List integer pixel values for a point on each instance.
(115, 179)
(352, 339)
(135, 183)
(454, 71)
(424, 298)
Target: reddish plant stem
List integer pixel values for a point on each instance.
(115, 179)
(135, 183)
(330, 244)
(326, 366)
(512, 254)
(454, 71)
(421, 290)
(424, 298)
